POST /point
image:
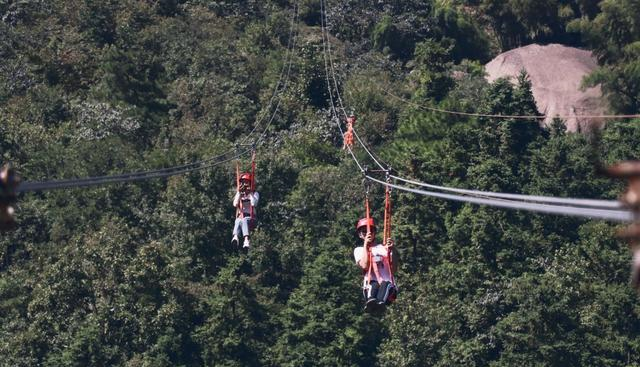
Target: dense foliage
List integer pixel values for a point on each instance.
(143, 274)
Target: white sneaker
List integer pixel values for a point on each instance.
(234, 240)
(246, 243)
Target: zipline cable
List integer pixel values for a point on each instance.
(613, 215)
(569, 206)
(589, 203)
(290, 47)
(326, 70)
(286, 84)
(175, 170)
(335, 83)
(593, 203)
(101, 180)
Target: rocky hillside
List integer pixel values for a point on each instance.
(556, 73)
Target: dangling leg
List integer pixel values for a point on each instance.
(370, 296)
(245, 231)
(383, 292)
(236, 229)
(393, 294)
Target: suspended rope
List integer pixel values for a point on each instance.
(286, 69)
(238, 175)
(101, 180)
(181, 169)
(386, 233)
(253, 170)
(515, 201)
(326, 69)
(331, 69)
(239, 211)
(522, 117)
(591, 203)
(612, 215)
(373, 266)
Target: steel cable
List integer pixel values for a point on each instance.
(337, 89)
(326, 69)
(181, 169)
(566, 206)
(100, 180)
(612, 215)
(592, 203)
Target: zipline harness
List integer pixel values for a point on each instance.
(373, 265)
(252, 187)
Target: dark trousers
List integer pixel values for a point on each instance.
(384, 292)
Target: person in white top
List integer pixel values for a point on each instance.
(245, 203)
(378, 262)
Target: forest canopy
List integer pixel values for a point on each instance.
(144, 274)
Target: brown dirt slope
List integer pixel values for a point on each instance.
(556, 72)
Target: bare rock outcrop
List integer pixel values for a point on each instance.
(556, 72)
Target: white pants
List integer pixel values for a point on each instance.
(242, 224)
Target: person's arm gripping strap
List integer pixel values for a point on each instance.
(361, 256)
(254, 199)
(236, 199)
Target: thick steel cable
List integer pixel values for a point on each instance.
(480, 195)
(169, 171)
(366, 149)
(101, 180)
(592, 203)
(530, 198)
(326, 71)
(612, 215)
(331, 66)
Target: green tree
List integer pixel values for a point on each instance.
(613, 34)
(236, 325)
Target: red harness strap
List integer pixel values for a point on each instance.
(253, 180)
(372, 264)
(387, 229)
(239, 211)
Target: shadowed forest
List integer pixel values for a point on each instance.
(144, 274)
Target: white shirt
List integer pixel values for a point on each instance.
(248, 200)
(378, 252)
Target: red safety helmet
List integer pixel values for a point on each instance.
(363, 223)
(245, 177)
